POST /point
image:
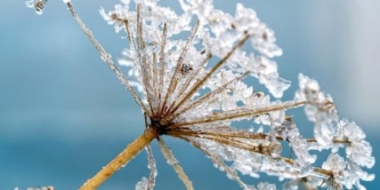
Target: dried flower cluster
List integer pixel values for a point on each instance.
(194, 89)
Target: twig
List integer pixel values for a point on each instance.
(120, 160)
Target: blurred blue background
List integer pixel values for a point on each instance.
(63, 114)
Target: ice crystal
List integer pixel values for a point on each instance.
(193, 89)
(37, 5)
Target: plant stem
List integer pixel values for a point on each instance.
(120, 160)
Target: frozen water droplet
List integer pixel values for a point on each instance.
(37, 5)
(274, 149)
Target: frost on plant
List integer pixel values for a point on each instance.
(38, 188)
(192, 88)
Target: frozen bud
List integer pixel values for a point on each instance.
(37, 5)
(309, 90)
(142, 184)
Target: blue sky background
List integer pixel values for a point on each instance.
(63, 114)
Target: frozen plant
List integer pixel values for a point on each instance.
(193, 89)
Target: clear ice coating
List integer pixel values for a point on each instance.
(37, 5)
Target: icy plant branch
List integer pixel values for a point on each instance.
(193, 88)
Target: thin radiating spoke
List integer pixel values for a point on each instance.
(162, 65)
(144, 62)
(249, 145)
(107, 58)
(316, 170)
(152, 168)
(234, 114)
(219, 162)
(173, 162)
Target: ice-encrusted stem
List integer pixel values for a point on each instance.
(175, 164)
(120, 160)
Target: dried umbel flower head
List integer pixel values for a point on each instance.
(193, 89)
